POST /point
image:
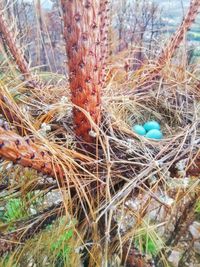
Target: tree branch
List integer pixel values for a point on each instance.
(26, 153)
(14, 50)
(173, 44)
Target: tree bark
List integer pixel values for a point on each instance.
(16, 52)
(177, 38)
(26, 153)
(170, 49)
(84, 35)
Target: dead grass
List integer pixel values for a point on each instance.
(122, 190)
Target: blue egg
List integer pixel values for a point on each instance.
(151, 125)
(139, 129)
(154, 134)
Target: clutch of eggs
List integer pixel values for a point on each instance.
(151, 130)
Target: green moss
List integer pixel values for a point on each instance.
(62, 249)
(15, 210)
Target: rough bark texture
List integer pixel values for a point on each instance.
(26, 153)
(6, 106)
(16, 52)
(85, 34)
(177, 38)
(174, 42)
(10, 113)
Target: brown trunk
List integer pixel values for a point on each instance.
(84, 35)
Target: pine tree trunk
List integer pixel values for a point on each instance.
(85, 38)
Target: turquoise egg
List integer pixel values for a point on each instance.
(139, 129)
(154, 134)
(151, 125)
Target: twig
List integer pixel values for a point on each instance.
(33, 187)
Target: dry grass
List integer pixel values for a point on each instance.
(131, 190)
(127, 169)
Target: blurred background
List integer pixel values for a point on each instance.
(138, 28)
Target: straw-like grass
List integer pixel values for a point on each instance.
(131, 197)
(127, 169)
